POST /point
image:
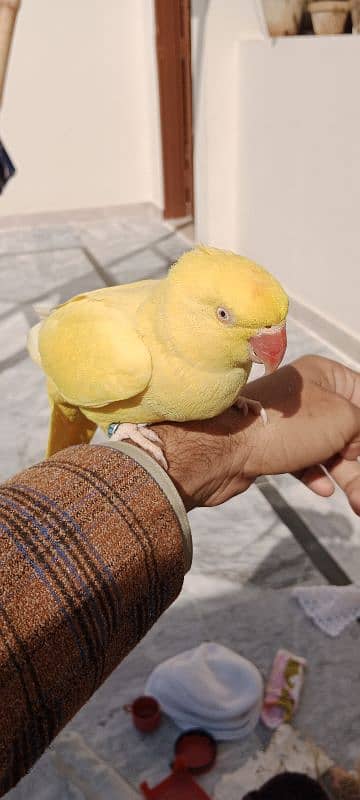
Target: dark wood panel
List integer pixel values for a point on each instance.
(173, 38)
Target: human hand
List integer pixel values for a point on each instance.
(313, 407)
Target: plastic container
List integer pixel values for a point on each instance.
(197, 750)
(146, 713)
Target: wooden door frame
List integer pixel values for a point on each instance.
(173, 45)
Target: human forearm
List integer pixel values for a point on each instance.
(92, 553)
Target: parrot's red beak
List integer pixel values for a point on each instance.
(268, 347)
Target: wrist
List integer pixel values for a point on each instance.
(181, 447)
(206, 458)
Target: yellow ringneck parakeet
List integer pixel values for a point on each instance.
(180, 348)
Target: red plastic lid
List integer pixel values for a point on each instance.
(197, 750)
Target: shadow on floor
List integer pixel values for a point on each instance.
(288, 565)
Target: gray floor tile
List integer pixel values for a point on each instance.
(173, 247)
(14, 330)
(23, 417)
(146, 264)
(330, 519)
(116, 238)
(39, 238)
(5, 308)
(26, 277)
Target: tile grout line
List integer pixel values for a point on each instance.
(100, 271)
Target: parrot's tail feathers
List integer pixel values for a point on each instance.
(33, 344)
(42, 311)
(68, 430)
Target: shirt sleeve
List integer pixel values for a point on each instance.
(94, 546)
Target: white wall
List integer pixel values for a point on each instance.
(80, 113)
(278, 158)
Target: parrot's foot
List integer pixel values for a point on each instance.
(244, 404)
(142, 436)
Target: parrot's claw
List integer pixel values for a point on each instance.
(144, 437)
(244, 404)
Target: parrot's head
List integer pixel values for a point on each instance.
(222, 311)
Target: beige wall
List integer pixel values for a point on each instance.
(278, 157)
(80, 113)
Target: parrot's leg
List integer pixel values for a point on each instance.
(143, 437)
(244, 404)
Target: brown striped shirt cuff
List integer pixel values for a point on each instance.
(167, 486)
(94, 546)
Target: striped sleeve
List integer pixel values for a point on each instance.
(94, 545)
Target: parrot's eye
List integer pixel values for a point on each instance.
(224, 315)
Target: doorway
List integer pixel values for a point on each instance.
(173, 44)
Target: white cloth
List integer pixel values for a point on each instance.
(209, 687)
(332, 608)
(287, 752)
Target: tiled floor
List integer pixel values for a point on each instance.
(245, 559)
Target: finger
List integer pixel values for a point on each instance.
(316, 479)
(343, 380)
(346, 474)
(352, 450)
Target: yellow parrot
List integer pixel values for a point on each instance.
(178, 349)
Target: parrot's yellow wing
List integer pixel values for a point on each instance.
(93, 354)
